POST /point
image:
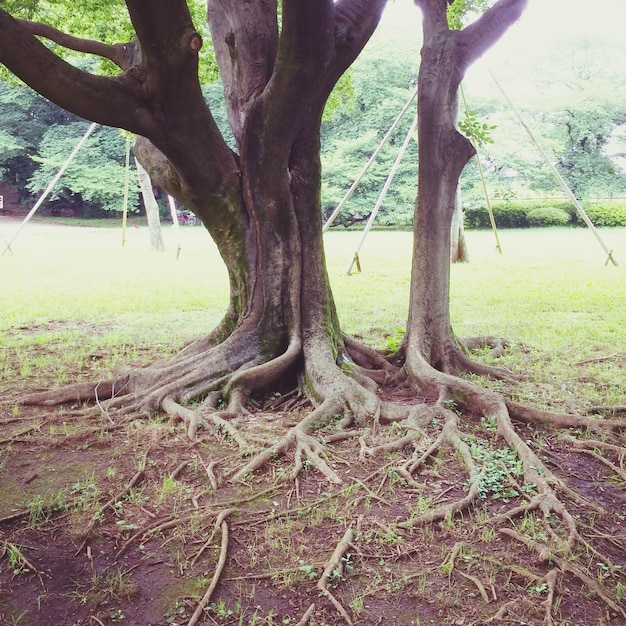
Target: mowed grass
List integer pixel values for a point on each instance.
(550, 289)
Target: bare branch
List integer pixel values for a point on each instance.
(117, 53)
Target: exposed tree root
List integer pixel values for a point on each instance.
(335, 565)
(497, 344)
(219, 523)
(305, 445)
(565, 566)
(348, 397)
(304, 620)
(537, 416)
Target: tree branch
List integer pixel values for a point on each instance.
(117, 53)
(110, 101)
(482, 34)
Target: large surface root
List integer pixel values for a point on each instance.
(482, 437)
(548, 498)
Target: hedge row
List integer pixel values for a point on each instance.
(525, 213)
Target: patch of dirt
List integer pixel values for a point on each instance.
(120, 520)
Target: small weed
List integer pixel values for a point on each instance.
(394, 340)
(167, 486)
(497, 465)
(40, 507)
(308, 570)
(538, 589)
(220, 609)
(175, 612)
(16, 560)
(357, 604)
(490, 424)
(86, 492)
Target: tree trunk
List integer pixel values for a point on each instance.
(152, 208)
(443, 152)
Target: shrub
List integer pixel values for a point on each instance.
(506, 215)
(604, 214)
(548, 216)
(546, 212)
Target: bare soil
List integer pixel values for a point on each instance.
(123, 520)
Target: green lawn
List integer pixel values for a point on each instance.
(550, 289)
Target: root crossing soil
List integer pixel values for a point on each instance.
(433, 519)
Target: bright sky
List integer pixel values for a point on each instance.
(545, 22)
(545, 26)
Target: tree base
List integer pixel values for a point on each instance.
(375, 403)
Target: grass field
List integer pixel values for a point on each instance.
(550, 289)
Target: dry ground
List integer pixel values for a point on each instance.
(107, 520)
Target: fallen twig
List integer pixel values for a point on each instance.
(599, 359)
(304, 620)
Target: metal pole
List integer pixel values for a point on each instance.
(126, 183)
(382, 195)
(558, 176)
(175, 224)
(492, 218)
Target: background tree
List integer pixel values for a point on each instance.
(352, 133)
(94, 180)
(25, 118)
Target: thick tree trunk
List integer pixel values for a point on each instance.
(429, 341)
(443, 154)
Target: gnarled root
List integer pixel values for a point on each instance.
(560, 530)
(335, 564)
(299, 437)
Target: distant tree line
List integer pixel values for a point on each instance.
(581, 127)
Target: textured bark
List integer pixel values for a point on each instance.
(261, 204)
(446, 54)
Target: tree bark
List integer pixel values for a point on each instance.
(261, 204)
(446, 54)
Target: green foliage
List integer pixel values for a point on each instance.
(106, 21)
(585, 130)
(497, 465)
(479, 133)
(96, 174)
(507, 215)
(351, 133)
(25, 118)
(606, 213)
(548, 216)
(545, 212)
(460, 10)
